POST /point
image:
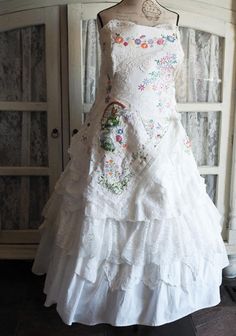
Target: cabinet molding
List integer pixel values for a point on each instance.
(223, 10)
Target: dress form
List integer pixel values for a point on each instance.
(143, 12)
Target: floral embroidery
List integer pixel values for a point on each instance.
(116, 187)
(124, 144)
(169, 60)
(112, 175)
(143, 41)
(111, 126)
(160, 79)
(187, 143)
(115, 167)
(140, 154)
(155, 130)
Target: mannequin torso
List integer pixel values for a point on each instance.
(143, 12)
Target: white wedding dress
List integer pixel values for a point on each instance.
(130, 234)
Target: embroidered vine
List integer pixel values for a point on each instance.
(160, 78)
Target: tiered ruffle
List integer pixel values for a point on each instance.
(163, 245)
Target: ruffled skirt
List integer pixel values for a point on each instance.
(160, 261)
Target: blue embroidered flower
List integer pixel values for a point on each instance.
(137, 41)
(170, 38)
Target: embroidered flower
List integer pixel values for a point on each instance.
(137, 41)
(119, 39)
(187, 143)
(141, 87)
(119, 138)
(170, 38)
(144, 45)
(160, 41)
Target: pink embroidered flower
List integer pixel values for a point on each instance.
(119, 138)
(187, 142)
(160, 41)
(125, 43)
(141, 87)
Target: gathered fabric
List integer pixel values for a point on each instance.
(130, 234)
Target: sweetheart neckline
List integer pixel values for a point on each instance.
(159, 25)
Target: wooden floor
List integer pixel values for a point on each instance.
(22, 312)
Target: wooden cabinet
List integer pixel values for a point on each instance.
(48, 85)
(30, 125)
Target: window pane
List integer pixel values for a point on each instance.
(22, 199)
(23, 138)
(22, 64)
(200, 76)
(211, 181)
(91, 59)
(203, 130)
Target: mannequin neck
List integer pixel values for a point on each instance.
(138, 3)
(140, 6)
(146, 12)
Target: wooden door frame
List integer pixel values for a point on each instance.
(21, 243)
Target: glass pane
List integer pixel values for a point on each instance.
(211, 181)
(91, 59)
(23, 138)
(200, 76)
(22, 64)
(22, 199)
(203, 130)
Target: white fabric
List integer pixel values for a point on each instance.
(130, 234)
(199, 80)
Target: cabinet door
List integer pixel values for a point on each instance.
(204, 92)
(204, 89)
(30, 126)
